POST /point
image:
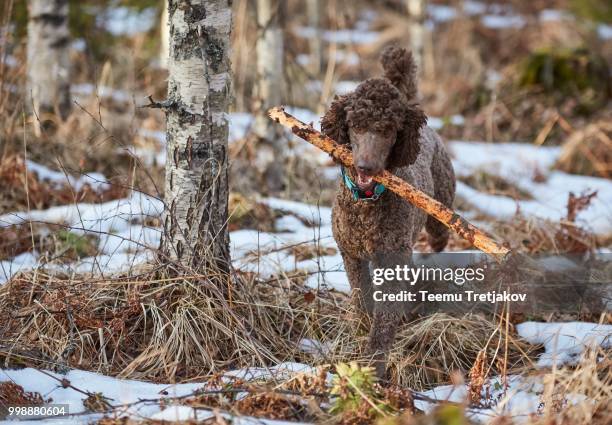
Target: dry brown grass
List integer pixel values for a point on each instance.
(158, 327)
(22, 190)
(588, 151)
(430, 350)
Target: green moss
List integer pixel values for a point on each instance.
(595, 10)
(579, 73)
(73, 245)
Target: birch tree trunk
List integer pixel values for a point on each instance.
(48, 60)
(199, 87)
(269, 50)
(164, 37)
(416, 12)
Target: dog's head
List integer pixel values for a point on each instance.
(380, 125)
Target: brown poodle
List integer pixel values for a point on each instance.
(374, 228)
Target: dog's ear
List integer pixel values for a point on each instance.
(407, 145)
(334, 123)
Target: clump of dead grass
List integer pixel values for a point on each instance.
(429, 350)
(156, 326)
(588, 150)
(12, 394)
(160, 326)
(538, 236)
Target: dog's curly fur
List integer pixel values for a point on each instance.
(381, 234)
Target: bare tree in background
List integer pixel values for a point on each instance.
(164, 37)
(269, 50)
(48, 67)
(416, 12)
(313, 10)
(199, 88)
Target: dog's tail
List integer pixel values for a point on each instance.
(400, 69)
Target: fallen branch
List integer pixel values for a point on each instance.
(439, 211)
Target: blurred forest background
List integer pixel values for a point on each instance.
(534, 72)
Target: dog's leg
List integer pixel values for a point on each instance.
(444, 192)
(387, 315)
(359, 278)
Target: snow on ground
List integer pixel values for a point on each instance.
(125, 21)
(345, 36)
(519, 164)
(124, 241)
(565, 342)
(96, 181)
(86, 90)
(360, 34)
(344, 57)
(126, 396)
(604, 31)
(521, 398)
(503, 21)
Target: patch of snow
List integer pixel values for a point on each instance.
(122, 243)
(521, 399)
(503, 21)
(123, 20)
(518, 163)
(149, 156)
(22, 262)
(78, 45)
(604, 31)
(314, 346)
(565, 342)
(157, 135)
(344, 36)
(10, 61)
(555, 15)
(472, 7)
(239, 125)
(437, 123)
(96, 181)
(128, 396)
(344, 57)
(441, 13)
(343, 87)
(176, 413)
(88, 89)
(507, 160)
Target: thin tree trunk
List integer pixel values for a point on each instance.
(269, 50)
(416, 12)
(164, 37)
(48, 70)
(199, 87)
(313, 10)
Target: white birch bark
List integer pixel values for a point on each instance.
(164, 37)
(416, 12)
(269, 51)
(199, 88)
(48, 60)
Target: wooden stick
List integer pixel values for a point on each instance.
(439, 211)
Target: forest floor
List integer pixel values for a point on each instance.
(90, 318)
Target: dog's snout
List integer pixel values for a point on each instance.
(365, 167)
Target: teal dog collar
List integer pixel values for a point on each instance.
(358, 194)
